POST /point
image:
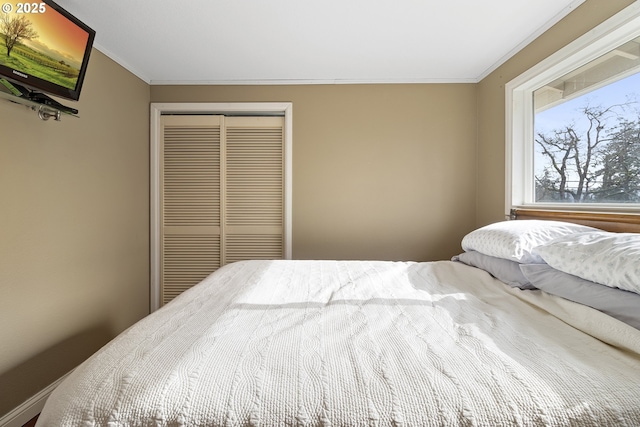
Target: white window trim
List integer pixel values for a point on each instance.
(615, 31)
(259, 108)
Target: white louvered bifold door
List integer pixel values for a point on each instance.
(253, 214)
(190, 210)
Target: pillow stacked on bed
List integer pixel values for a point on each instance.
(515, 240)
(502, 247)
(597, 268)
(618, 303)
(504, 270)
(611, 259)
(582, 264)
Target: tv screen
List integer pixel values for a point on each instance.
(43, 47)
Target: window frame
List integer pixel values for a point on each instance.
(519, 114)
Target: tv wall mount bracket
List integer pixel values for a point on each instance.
(46, 107)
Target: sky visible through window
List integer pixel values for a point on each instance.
(571, 113)
(619, 92)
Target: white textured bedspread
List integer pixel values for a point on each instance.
(327, 343)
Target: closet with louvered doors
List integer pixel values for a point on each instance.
(222, 195)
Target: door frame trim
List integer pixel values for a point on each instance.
(244, 108)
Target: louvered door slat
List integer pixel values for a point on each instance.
(187, 260)
(254, 188)
(222, 193)
(253, 246)
(190, 205)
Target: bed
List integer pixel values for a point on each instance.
(465, 342)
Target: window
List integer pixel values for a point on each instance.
(573, 123)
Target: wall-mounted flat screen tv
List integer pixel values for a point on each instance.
(43, 47)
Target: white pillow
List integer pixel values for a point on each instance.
(611, 259)
(515, 240)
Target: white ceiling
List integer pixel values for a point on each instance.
(321, 41)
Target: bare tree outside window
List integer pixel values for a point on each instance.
(587, 150)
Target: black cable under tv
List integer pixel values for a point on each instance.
(37, 97)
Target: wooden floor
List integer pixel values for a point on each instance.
(31, 422)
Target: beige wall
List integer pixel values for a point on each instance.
(379, 171)
(74, 258)
(491, 100)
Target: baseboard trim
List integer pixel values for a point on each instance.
(31, 407)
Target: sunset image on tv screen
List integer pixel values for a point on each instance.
(37, 40)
